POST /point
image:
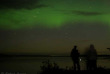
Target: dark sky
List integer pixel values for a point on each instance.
(54, 26)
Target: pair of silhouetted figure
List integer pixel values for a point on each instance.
(91, 58)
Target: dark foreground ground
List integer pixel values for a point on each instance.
(53, 68)
(62, 71)
(75, 72)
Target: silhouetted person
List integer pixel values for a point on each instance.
(75, 57)
(91, 58)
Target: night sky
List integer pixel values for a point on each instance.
(54, 26)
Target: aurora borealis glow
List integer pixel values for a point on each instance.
(49, 13)
(45, 26)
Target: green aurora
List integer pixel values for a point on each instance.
(54, 26)
(55, 14)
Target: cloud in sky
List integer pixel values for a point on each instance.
(19, 4)
(86, 13)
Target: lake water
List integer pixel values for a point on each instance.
(31, 65)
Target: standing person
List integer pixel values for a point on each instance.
(75, 57)
(91, 58)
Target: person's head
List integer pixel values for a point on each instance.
(75, 47)
(91, 46)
